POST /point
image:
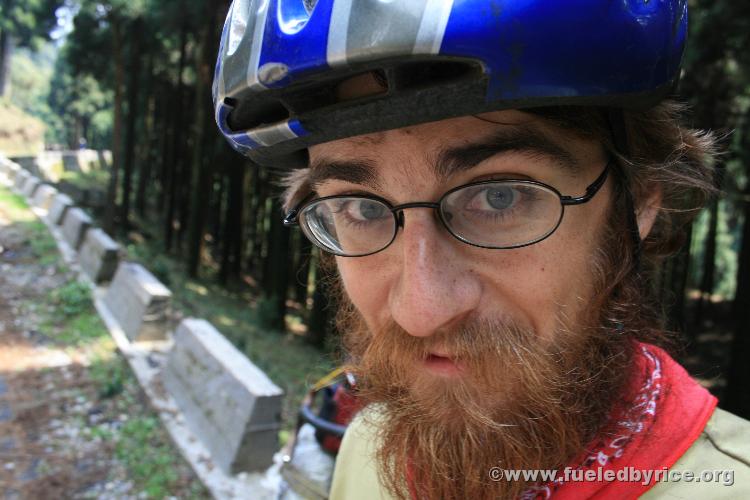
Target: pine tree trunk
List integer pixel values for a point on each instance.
(709, 264)
(678, 284)
(111, 208)
(201, 170)
(130, 142)
(232, 219)
(6, 54)
(276, 270)
(148, 156)
(303, 269)
(319, 324)
(176, 154)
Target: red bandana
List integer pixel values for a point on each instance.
(666, 416)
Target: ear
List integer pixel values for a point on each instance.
(646, 213)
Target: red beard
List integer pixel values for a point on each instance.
(510, 399)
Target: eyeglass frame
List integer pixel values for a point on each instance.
(292, 217)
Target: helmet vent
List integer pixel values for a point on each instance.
(425, 74)
(309, 5)
(259, 113)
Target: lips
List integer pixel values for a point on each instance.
(442, 365)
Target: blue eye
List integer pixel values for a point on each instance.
(501, 197)
(370, 210)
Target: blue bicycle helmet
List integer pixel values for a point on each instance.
(281, 63)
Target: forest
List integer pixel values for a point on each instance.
(135, 76)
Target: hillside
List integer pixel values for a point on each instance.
(20, 134)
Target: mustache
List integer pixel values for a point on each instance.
(472, 340)
(490, 352)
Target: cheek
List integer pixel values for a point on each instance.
(366, 286)
(541, 283)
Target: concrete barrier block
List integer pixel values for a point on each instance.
(228, 402)
(21, 179)
(30, 187)
(75, 225)
(12, 171)
(6, 165)
(98, 255)
(139, 302)
(60, 204)
(44, 196)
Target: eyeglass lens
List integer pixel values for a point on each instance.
(503, 214)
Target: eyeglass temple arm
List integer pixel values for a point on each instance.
(290, 219)
(591, 190)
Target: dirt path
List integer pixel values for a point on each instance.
(73, 421)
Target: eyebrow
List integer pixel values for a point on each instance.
(356, 171)
(520, 138)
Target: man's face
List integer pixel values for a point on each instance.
(477, 357)
(427, 281)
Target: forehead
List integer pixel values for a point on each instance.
(448, 147)
(443, 135)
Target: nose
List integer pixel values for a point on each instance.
(436, 288)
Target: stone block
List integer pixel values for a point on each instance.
(75, 225)
(139, 302)
(12, 171)
(44, 196)
(98, 255)
(30, 187)
(21, 179)
(6, 165)
(228, 402)
(60, 205)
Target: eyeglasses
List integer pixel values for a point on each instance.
(496, 214)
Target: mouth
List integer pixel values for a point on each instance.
(442, 365)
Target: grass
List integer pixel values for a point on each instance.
(68, 317)
(110, 375)
(140, 444)
(15, 205)
(42, 244)
(95, 179)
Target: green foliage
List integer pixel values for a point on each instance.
(727, 245)
(147, 456)
(28, 21)
(109, 375)
(95, 179)
(42, 244)
(265, 312)
(13, 202)
(158, 264)
(72, 299)
(70, 319)
(82, 105)
(82, 329)
(31, 73)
